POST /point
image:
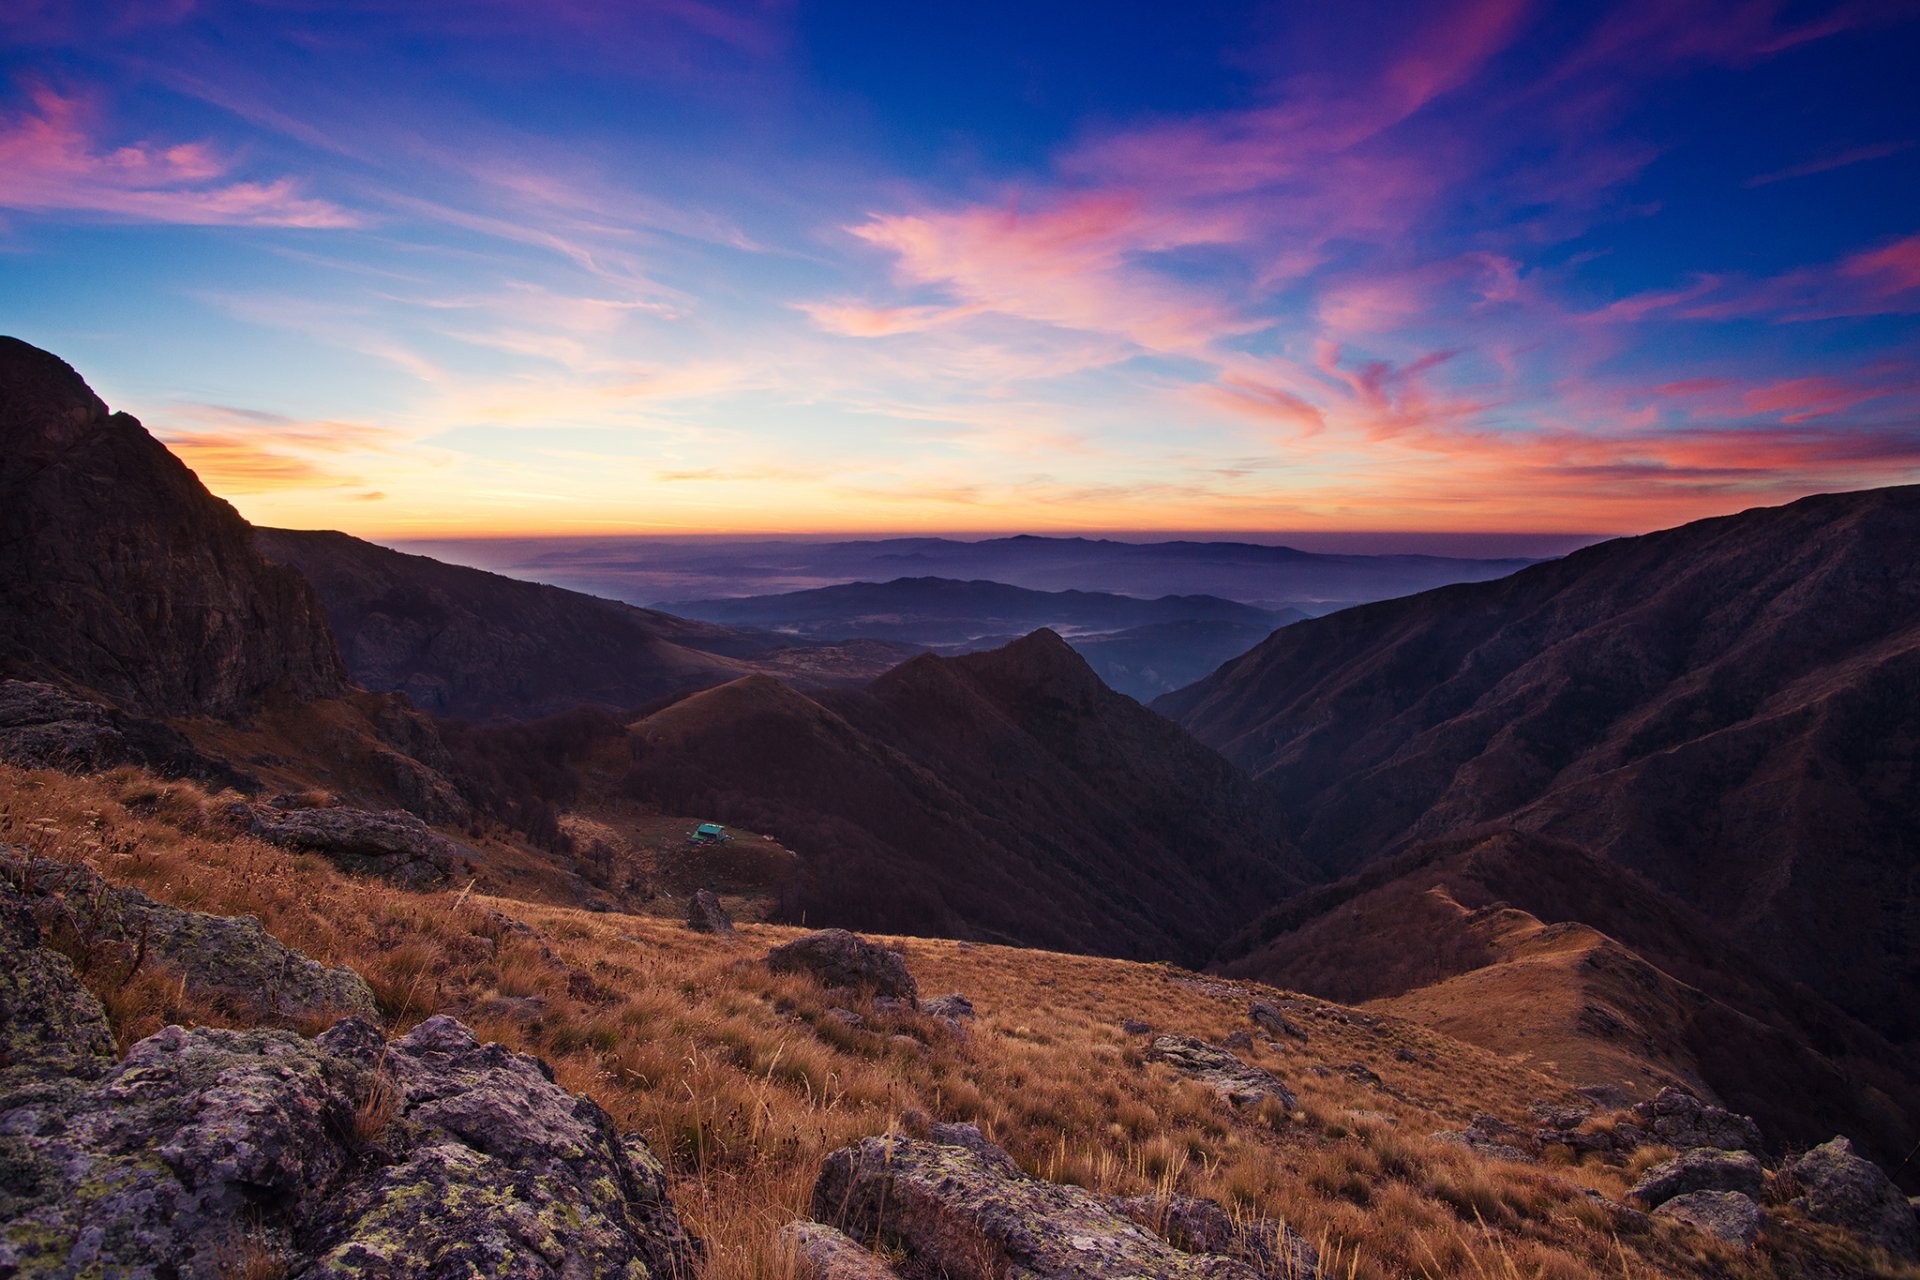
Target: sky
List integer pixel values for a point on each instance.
(592, 267)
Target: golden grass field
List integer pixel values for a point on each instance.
(740, 1080)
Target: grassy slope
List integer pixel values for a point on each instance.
(742, 1082)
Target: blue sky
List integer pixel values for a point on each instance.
(590, 267)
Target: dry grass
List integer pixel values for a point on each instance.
(742, 1081)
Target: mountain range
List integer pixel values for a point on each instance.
(1644, 814)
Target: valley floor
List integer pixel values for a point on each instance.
(742, 1079)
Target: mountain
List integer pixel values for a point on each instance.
(121, 575)
(1140, 647)
(1146, 662)
(1007, 795)
(1541, 950)
(464, 642)
(1731, 709)
(648, 570)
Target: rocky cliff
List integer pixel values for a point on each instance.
(121, 574)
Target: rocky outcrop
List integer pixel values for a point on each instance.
(121, 574)
(1240, 1083)
(231, 958)
(1841, 1188)
(339, 1157)
(1272, 1249)
(1728, 1216)
(393, 845)
(1268, 1016)
(825, 1253)
(51, 1027)
(1702, 1169)
(45, 727)
(955, 1011)
(837, 958)
(1488, 1136)
(706, 915)
(1678, 1119)
(948, 1210)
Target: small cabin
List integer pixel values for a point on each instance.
(709, 833)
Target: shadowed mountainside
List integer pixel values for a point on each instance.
(1731, 709)
(1536, 948)
(121, 574)
(464, 642)
(1007, 795)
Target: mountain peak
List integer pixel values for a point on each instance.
(43, 401)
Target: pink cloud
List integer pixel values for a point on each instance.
(1075, 264)
(1827, 163)
(53, 162)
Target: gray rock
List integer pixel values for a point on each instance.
(1678, 1119)
(51, 1027)
(952, 1009)
(343, 1156)
(1701, 1169)
(476, 1164)
(837, 958)
(1272, 1249)
(1135, 1027)
(846, 1017)
(43, 726)
(1238, 1041)
(1845, 1190)
(1238, 1082)
(393, 845)
(828, 1254)
(1266, 1014)
(1725, 1215)
(968, 1135)
(706, 915)
(953, 1212)
(229, 957)
(1480, 1142)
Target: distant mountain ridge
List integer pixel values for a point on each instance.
(648, 571)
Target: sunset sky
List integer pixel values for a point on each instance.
(580, 266)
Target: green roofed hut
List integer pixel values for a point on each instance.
(710, 833)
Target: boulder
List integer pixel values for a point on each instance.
(1479, 1141)
(828, 1254)
(968, 1135)
(339, 1157)
(1678, 1119)
(1728, 1216)
(43, 726)
(1135, 1027)
(1265, 1013)
(1272, 1249)
(952, 1211)
(1701, 1169)
(952, 1009)
(51, 1027)
(203, 1153)
(837, 958)
(706, 915)
(231, 958)
(393, 845)
(1240, 1083)
(1845, 1190)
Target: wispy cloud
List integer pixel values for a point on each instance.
(54, 161)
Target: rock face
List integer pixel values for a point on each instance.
(1240, 1083)
(1273, 1249)
(841, 959)
(1725, 1215)
(706, 915)
(1841, 1188)
(953, 1211)
(829, 1254)
(338, 1157)
(120, 573)
(45, 727)
(51, 1027)
(1268, 1016)
(393, 845)
(1678, 1119)
(1702, 1169)
(231, 957)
